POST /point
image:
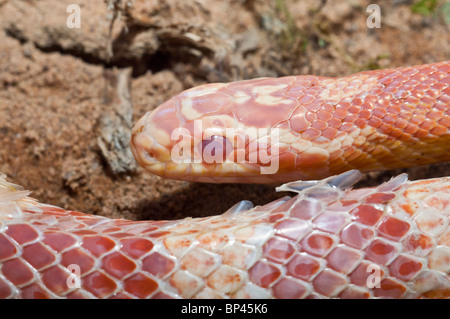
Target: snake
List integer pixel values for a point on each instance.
(316, 136)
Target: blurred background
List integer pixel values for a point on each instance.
(75, 75)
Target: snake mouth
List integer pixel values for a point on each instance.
(146, 151)
(148, 154)
(139, 145)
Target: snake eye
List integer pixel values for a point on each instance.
(215, 148)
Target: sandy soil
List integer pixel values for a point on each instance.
(53, 83)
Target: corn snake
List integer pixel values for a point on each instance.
(319, 243)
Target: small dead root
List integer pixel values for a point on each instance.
(118, 8)
(114, 125)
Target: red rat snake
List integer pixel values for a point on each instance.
(390, 241)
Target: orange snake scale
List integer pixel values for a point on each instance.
(327, 241)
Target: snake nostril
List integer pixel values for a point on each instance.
(148, 155)
(215, 148)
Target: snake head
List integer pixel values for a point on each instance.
(211, 133)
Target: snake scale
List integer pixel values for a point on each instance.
(326, 241)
